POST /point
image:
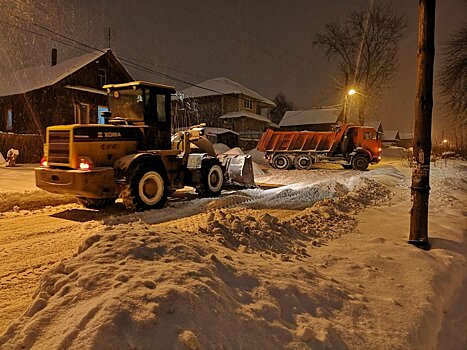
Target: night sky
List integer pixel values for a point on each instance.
(264, 45)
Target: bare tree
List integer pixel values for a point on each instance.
(453, 75)
(282, 106)
(365, 49)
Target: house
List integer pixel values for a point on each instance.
(318, 119)
(223, 103)
(390, 138)
(62, 93)
(406, 139)
(377, 125)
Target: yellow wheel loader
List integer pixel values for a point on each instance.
(134, 156)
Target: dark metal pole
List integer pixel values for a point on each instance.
(422, 133)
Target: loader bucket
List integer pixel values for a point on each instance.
(238, 169)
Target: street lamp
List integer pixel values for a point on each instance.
(349, 93)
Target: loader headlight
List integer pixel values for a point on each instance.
(44, 162)
(85, 163)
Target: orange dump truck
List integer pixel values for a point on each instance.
(352, 146)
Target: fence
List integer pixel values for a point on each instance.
(30, 147)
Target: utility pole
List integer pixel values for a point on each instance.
(423, 115)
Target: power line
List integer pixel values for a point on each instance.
(129, 62)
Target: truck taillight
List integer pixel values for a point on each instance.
(85, 163)
(44, 162)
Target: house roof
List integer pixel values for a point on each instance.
(33, 78)
(310, 116)
(376, 124)
(246, 114)
(391, 135)
(223, 86)
(406, 135)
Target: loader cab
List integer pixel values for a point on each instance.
(146, 105)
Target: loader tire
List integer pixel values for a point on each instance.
(303, 162)
(360, 162)
(147, 189)
(93, 203)
(281, 162)
(212, 180)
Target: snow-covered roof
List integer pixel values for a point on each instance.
(33, 78)
(310, 116)
(245, 114)
(391, 135)
(223, 86)
(406, 135)
(376, 124)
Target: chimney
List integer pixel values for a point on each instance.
(54, 57)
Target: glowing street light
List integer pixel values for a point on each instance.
(346, 103)
(445, 141)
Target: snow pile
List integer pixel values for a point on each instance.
(235, 150)
(2, 159)
(220, 148)
(394, 151)
(246, 274)
(134, 287)
(258, 157)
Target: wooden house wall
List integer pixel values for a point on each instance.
(53, 105)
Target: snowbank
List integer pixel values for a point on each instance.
(220, 148)
(261, 270)
(258, 157)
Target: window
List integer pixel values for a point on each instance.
(102, 76)
(369, 136)
(9, 119)
(247, 103)
(100, 117)
(161, 111)
(82, 111)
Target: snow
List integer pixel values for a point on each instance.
(220, 148)
(319, 262)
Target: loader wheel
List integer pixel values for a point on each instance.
(147, 190)
(303, 162)
(93, 203)
(281, 162)
(212, 180)
(360, 162)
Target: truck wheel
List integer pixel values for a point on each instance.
(281, 162)
(347, 166)
(360, 162)
(93, 203)
(303, 162)
(147, 190)
(212, 180)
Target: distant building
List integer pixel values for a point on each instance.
(223, 103)
(391, 138)
(62, 93)
(377, 125)
(312, 120)
(406, 139)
